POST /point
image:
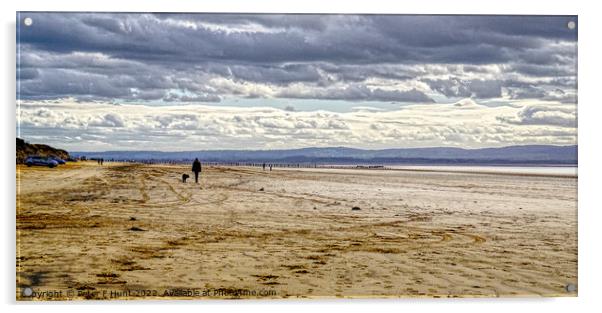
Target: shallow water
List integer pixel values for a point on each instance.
(541, 170)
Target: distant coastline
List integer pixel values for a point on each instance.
(531, 155)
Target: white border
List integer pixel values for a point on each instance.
(313, 6)
(589, 146)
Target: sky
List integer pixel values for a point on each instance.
(173, 82)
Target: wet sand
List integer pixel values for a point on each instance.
(91, 232)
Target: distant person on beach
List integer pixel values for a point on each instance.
(264, 166)
(270, 167)
(196, 168)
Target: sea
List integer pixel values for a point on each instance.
(570, 171)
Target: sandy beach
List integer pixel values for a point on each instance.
(91, 232)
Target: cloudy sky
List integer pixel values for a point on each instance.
(93, 82)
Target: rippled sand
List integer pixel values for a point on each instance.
(94, 232)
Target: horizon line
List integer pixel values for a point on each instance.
(332, 147)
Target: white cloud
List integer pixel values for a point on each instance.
(466, 123)
(543, 115)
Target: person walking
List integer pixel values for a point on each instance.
(196, 168)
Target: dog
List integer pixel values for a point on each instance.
(185, 177)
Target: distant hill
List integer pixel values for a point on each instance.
(531, 154)
(25, 149)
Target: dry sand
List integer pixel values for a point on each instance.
(85, 231)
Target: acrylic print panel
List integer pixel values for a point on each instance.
(256, 156)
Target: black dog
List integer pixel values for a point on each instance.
(184, 177)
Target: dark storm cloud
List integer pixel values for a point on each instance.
(185, 98)
(285, 74)
(359, 92)
(528, 92)
(546, 90)
(454, 87)
(178, 57)
(63, 82)
(549, 70)
(27, 73)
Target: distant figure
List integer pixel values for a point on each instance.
(184, 177)
(264, 166)
(102, 161)
(270, 167)
(196, 168)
